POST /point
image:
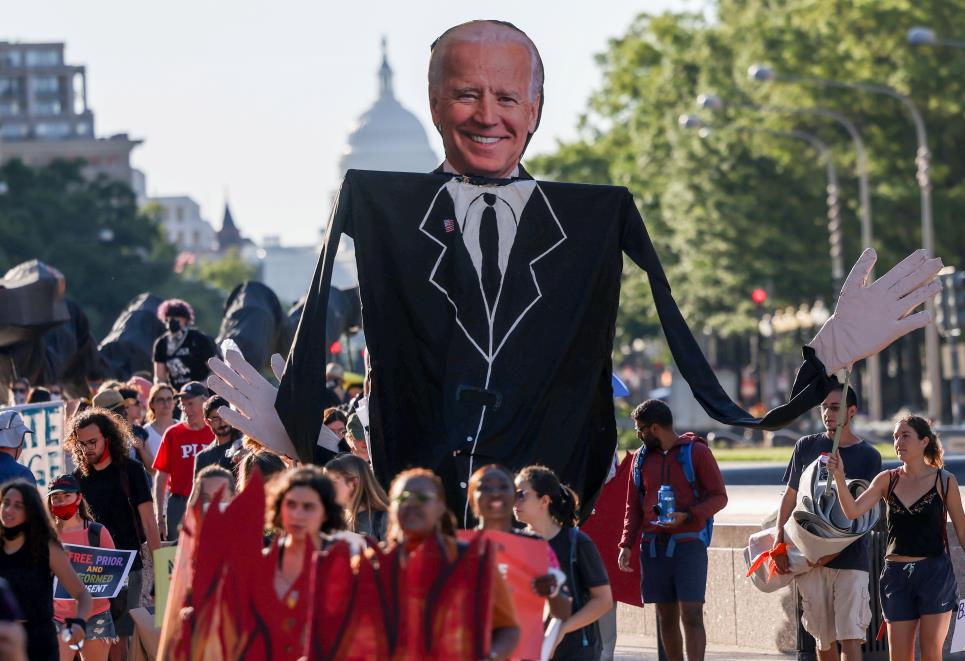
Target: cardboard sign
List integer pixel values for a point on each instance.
(43, 453)
(958, 637)
(163, 568)
(102, 571)
(520, 560)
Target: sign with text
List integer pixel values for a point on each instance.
(43, 452)
(102, 571)
(958, 637)
(163, 569)
(520, 560)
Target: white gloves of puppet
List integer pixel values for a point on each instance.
(252, 399)
(869, 317)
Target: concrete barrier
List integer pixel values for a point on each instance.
(738, 614)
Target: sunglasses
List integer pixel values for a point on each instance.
(521, 495)
(20, 391)
(421, 497)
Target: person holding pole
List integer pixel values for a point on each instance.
(917, 585)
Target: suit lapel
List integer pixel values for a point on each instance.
(539, 233)
(453, 273)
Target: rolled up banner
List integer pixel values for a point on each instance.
(761, 543)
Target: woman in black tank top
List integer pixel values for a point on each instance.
(30, 558)
(917, 585)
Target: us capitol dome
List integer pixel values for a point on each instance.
(387, 136)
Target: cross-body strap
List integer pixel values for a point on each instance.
(941, 481)
(93, 533)
(126, 488)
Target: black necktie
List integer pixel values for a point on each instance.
(489, 247)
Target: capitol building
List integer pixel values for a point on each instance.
(384, 137)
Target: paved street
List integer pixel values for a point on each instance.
(640, 648)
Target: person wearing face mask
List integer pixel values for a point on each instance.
(75, 525)
(181, 354)
(31, 556)
(13, 431)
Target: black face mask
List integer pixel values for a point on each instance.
(174, 325)
(11, 533)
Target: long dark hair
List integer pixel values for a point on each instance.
(934, 452)
(113, 428)
(564, 503)
(40, 529)
(313, 478)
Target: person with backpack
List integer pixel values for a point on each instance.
(917, 585)
(675, 490)
(550, 509)
(75, 525)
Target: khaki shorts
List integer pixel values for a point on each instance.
(837, 604)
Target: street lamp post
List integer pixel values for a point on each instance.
(824, 154)
(922, 161)
(714, 102)
(694, 122)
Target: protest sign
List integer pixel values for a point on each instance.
(958, 637)
(520, 560)
(163, 568)
(43, 453)
(102, 571)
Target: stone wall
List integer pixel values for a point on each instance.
(738, 614)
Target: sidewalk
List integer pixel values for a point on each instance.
(641, 648)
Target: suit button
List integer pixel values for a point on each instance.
(462, 484)
(469, 439)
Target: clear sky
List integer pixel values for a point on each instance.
(253, 100)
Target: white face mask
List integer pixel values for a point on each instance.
(54, 397)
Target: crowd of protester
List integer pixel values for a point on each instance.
(144, 451)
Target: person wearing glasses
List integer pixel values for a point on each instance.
(160, 416)
(18, 392)
(418, 517)
(550, 510)
(116, 489)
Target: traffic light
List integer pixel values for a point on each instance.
(950, 302)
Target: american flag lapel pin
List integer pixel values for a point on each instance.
(449, 225)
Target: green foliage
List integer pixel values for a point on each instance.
(93, 233)
(224, 273)
(739, 209)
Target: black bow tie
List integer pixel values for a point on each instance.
(482, 181)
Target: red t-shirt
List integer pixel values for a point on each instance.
(175, 456)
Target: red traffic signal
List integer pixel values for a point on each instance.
(759, 296)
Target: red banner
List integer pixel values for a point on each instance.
(520, 560)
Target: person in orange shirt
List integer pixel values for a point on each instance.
(418, 518)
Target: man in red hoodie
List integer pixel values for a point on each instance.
(673, 556)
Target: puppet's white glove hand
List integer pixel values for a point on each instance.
(253, 400)
(869, 317)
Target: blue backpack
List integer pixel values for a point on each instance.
(686, 459)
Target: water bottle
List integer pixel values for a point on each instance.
(666, 502)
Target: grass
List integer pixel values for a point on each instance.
(778, 455)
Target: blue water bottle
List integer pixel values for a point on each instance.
(666, 502)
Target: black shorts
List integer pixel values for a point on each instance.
(909, 590)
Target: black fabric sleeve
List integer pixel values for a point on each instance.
(160, 350)
(302, 386)
(811, 385)
(140, 490)
(589, 563)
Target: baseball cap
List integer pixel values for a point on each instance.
(192, 389)
(355, 427)
(64, 484)
(12, 429)
(109, 399)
